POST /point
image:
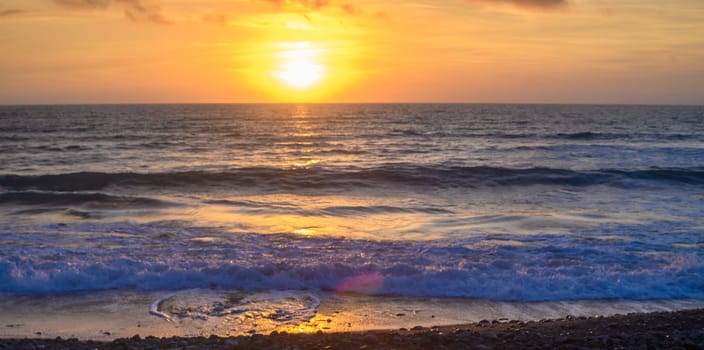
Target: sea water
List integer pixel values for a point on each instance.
(262, 210)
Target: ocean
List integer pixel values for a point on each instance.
(207, 208)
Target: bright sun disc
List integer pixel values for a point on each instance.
(299, 68)
(300, 74)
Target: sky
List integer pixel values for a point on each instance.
(253, 51)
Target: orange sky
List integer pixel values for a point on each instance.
(554, 51)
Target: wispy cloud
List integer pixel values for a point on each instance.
(11, 12)
(350, 9)
(303, 6)
(215, 18)
(135, 10)
(532, 4)
(84, 4)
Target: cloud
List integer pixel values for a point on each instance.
(314, 5)
(533, 4)
(301, 4)
(215, 18)
(350, 9)
(135, 10)
(84, 4)
(11, 12)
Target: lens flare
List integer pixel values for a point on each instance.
(368, 284)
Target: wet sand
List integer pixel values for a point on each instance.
(678, 330)
(109, 315)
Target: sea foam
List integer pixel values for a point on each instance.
(621, 265)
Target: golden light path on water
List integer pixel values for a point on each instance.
(359, 214)
(305, 213)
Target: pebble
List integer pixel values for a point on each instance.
(370, 339)
(683, 330)
(232, 342)
(490, 335)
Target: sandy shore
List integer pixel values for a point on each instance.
(109, 315)
(678, 330)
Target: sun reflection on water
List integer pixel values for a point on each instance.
(304, 231)
(306, 164)
(302, 138)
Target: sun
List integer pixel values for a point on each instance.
(301, 71)
(300, 74)
(299, 67)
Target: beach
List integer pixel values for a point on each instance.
(200, 221)
(109, 315)
(672, 330)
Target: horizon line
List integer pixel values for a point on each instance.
(351, 103)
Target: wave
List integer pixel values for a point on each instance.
(331, 210)
(311, 178)
(589, 135)
(93, 200)
(567, 136)
(375, 209)
(498, 267)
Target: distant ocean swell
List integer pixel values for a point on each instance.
(630, 265)
(97, 200)
(80, 135)
(295, 178)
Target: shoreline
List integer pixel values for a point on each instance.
(676, 329)
(109, 315)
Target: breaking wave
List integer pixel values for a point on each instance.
(292, 179)
(623, 264)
